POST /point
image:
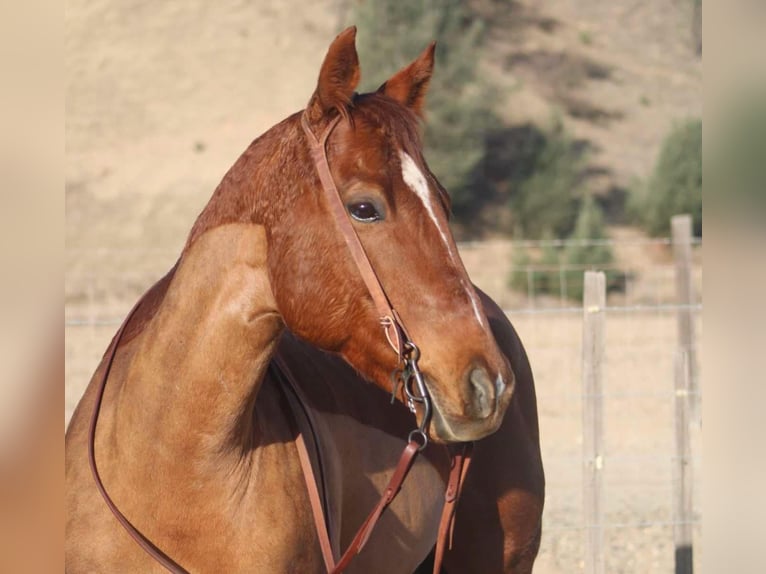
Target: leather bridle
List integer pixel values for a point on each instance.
(407, 375)
(408, 354)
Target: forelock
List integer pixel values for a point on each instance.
(399, 124)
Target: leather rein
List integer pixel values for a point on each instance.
(406, 376)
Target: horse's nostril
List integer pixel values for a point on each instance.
(483, 392)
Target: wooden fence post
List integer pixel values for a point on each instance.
(682, 481)
(594, 319)
(682, 251)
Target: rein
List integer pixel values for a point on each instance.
(135, 534)
(407, 375)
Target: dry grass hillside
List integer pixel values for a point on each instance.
(161, 98)
(619, 72)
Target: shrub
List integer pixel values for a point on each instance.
(458, 108)
(541, 272)
(675, 185)
(547, 200)
(579, 253)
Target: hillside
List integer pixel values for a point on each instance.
(619, 74)
(161, 99)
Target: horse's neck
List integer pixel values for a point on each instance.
(198, 364)
(248, 191)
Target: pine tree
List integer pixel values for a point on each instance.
(675, 186)
(521, 260)
(391, 34)
(547, 200)
(545, 275)
(579, 253)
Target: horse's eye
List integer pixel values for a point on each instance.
(364, 211)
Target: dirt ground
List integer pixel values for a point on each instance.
(162, 97)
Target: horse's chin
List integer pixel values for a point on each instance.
(445, 429)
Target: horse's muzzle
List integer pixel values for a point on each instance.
(481, 411)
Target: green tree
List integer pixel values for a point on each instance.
(458, 108)
(675, 185)
(587, 249)
(536, 275)
(547, 200)
(521, 262)
(548, 278)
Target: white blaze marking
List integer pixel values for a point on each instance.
(416, 181)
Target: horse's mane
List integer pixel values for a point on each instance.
(236, 199)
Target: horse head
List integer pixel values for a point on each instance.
(400, 213)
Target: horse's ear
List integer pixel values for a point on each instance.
(410, 84)
(338, 77)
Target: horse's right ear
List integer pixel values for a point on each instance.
(338, 78)
(410, 84)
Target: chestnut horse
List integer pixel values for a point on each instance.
(195, 442)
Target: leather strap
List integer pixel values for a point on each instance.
(158, 555)
(392, 489)
(389, 319)
(305, 427)
(296, 399)
(396, 335)
(460, 463)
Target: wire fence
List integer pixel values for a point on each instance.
(639, 396)
(104, 277)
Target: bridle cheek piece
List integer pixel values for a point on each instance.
(406, 376)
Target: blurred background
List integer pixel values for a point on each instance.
(568, 133)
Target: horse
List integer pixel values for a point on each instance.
(187, 423)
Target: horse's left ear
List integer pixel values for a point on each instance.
(338, 77)
(410, 84)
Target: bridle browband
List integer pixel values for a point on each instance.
(407, 375)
